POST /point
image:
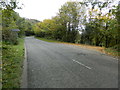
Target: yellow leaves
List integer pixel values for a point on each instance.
(99, 14)
(96, 13)
(104, 17)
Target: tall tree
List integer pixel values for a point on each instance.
(69, 18)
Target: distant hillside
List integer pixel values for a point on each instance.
(32, 21)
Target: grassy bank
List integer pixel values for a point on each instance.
(113, 52)
(12, 61)
(48, 40)
(109, 51)
(0, 65)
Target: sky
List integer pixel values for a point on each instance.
(40, 9)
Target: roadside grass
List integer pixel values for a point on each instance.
(48, 40)
(108, 51)
(12, 62)
(113, 52)
(0, 64)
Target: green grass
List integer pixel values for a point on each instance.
(47, 40)
(12, 62)
(0, 64)
(112, 52)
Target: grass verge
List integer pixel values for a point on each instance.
(112, 52)
(0, 65)
(48, 40)
(108, 51)
(12, 62)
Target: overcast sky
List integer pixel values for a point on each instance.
(41, 9)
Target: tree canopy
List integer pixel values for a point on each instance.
(91, 22)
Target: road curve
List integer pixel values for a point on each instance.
(55, 65)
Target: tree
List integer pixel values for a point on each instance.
(8, 21)
(97, 27)
(100, 30)
(69, 18)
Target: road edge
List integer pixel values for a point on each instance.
(24, 83)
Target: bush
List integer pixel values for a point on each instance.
(12, 61)
(116, 47)
(10, 37)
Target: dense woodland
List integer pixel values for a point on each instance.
(12, 20)
(91, 22)
(12, 54)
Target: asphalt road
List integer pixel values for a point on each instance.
(55, 65)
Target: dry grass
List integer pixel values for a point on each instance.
(101, 49)
(104, 50)
(108, 51)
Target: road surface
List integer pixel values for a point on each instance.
(55, 65)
